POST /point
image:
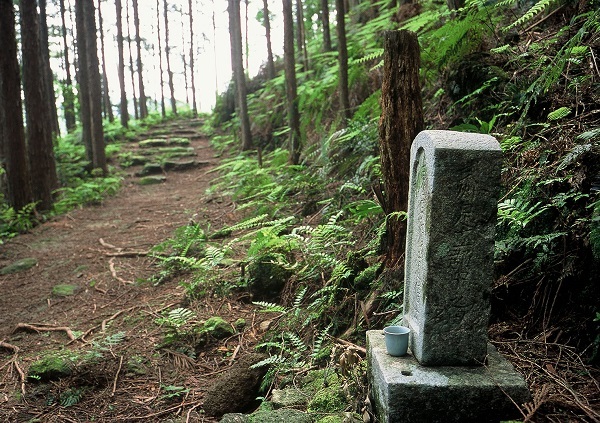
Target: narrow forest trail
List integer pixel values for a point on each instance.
(89, 249)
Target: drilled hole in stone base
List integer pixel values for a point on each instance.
(406, 373)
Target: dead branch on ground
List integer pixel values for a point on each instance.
(41, 327)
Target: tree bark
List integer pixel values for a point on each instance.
(95, 87)
(184, 61)
(301, 35)
(68, 95)
(131, 70)
(192, 80)
(160, 60)
(167, 52)
(107, 105)
(39, 134)
(14, 151)
(267, 23)
(343, 60)
(325, 22)
(138, 42)
(235, 35)
(49, 76)
(121, 69)
(83, 79)
(290, 81)
(401, 120)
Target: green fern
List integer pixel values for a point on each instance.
(536, 9)
(559, 113)
(270, 307)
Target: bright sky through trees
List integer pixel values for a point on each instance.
(212, 55)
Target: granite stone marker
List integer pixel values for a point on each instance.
(452, 207)
(452, 373)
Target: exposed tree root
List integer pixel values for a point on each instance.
(40, 327)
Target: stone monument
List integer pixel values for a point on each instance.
(452, 373)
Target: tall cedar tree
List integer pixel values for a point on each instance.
(106, 104)
(121, 69)
(194, 105)
(85, 17)
(12, 135)
(68, 95)
(237, 63)
(160, 61)
(184, 59)
(401, 120)
(325, 22)
(138, 43)
(267, 23)
(290, 81)
(167, 53)
(343, 60)
(39, 132)
(131, 70)
(49, 76)
(301, 35)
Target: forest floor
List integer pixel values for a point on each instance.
(102, 251)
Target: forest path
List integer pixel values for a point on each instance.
(87, 249)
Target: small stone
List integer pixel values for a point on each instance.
(217, 328)
(64, 290)
(288, 398)
(235, 418)
(152, 180)
(19, 266)
(286, 415)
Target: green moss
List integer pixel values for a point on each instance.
(64, 290)
(328, 400)
(18, 266)
(217, 327)
(51, 367)
(152, 180)
(153, 142)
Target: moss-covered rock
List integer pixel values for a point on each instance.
(150, 169)
(288, 398)
(217, 327)
(152, 180)
(266, 277)
(328, 400)
(284, 415)
(153, 142)
(19, 266)
(51, 367)
(64, 290)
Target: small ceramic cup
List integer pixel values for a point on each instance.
(396, 340)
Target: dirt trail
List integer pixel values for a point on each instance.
(84, 248)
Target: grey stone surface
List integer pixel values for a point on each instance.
(454, 187)
(288, 397)
(406, 391)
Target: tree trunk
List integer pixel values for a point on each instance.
(214, 27)
(235, 34)
(107, 106)
(131, 71)
(83, 80)
(39, 134)
(184, 61)
(343, 60)
(95, 87)
(325, 22)
(49, 76)
(167, 52)
(121, 70)
(12, 135)
(401, 121)
(290, 81)
(69, 97)
(192, 81)
(301, 35)
(138, 42)
(267, 23)
(160, 60)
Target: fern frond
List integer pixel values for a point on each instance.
(559, 113)
(274, 359)
(367, 58)
(270, 307)
(589, 135)
(535, 10)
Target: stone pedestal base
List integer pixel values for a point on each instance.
(405, 391)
